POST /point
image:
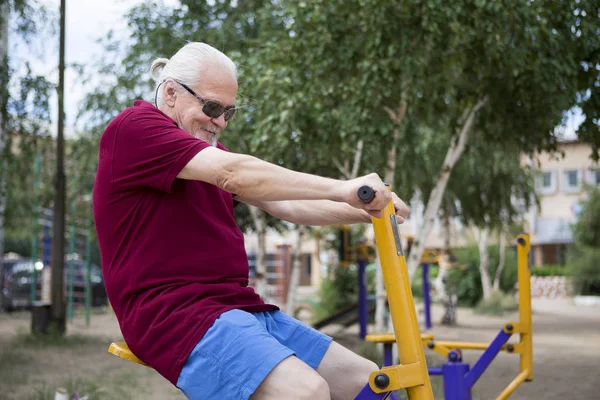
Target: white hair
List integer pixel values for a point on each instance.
(188, 65)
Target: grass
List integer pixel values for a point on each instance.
(92, 388)
(20, 369)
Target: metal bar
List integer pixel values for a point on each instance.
(368, 394)
(435, 371)
(362, 298)
(486, 358)
(524, 276)
(388, 358)
(513, 385)
(466, 345)
(426, 295)
(401, 302)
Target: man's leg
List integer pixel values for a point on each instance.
(292, 379)
(345, 371)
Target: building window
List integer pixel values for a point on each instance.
(571, 181)
(546, 182)
(594, 177)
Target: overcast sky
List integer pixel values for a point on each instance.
(87, 21)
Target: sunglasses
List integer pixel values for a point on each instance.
(213, 108)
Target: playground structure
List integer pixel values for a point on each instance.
(458, 377)
(412, 373)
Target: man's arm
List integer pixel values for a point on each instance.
(311, 212)
(322, 212)
(252, 179)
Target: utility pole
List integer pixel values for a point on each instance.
(4, 13)
(58, 309)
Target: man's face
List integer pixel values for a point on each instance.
(217, 85)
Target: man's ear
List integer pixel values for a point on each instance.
(169, 93)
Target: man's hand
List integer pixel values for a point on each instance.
(402, 210)
(382, 195)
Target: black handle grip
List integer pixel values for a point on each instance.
(366, 193)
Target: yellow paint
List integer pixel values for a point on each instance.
(401, 303)
(120, 349)
(402, 376)
(524, 327)
(513, 385)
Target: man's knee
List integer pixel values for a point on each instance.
(318, 389)
(292, 379)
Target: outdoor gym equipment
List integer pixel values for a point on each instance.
(412, 373)
(458, 377)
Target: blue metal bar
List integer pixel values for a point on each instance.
(486, 358)
(362, 298)
(368, 394)
(387, 354)
(455, 387)
(435, 371)
(426, 295)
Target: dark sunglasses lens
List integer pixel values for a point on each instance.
(229, 114)
(213, 109)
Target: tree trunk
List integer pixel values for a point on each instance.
(455, 151)
(445, 292)
(295, 271)
(484, 260)
(260, 276)
(4, 13)
(502, 259)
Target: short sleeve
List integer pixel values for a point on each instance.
(150, 150)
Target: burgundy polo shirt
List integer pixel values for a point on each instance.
(173, 258)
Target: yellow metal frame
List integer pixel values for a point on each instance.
(523, 327)
(412, 373)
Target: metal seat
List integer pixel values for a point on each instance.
(121, 350)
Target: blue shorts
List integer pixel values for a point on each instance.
(240, 349)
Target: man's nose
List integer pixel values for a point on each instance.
(220, 121)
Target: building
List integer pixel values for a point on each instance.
(561, 188)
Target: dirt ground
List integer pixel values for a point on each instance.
(566, 357)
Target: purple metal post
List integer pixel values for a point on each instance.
(486, 358)
(362, 298)
(455, 387)
(368, 394)
(426, 296)
(388, 360)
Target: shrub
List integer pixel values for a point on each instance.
(551, 270)
(585, 263)
(497, 304)
(468, 281)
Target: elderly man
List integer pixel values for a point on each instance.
(174, 263)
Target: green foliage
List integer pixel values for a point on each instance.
(468, 282)
(585, 262)
(417, 283)
(551, 270)
(339, 289)
(584, 257)
(497, 304)
(587, 228)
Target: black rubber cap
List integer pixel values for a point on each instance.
(366, 193)
(382, 381)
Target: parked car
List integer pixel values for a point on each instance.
(16, 280)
